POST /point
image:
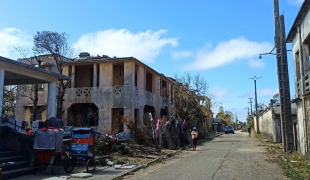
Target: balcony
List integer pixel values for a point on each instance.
(114, 94)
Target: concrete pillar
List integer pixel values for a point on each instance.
(1, 89)
(73, 77)
(141, 77)
(106, 74)
(95, 76)
(51, 100)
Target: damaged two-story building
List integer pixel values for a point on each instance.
(104, 89)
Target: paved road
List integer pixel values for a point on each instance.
(229, 157)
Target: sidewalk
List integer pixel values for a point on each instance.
(294, 164)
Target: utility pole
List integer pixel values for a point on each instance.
(236, 119)
(251, 105)
(283, 79)
(256, 111)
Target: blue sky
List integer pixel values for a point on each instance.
(219, 39)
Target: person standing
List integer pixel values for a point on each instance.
(194, 135)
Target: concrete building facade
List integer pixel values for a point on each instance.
(300, 39)
(104, 89)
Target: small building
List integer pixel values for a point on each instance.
(217, 125)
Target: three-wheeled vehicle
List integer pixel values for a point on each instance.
(82, 149)
(49, 146)
(47, 149)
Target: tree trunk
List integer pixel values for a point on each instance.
(60, 99)
(35, 104)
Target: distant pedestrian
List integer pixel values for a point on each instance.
(194, 135)
(249, 131)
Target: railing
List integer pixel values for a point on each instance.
(90, 94)
(5, 120)
(117, 90)
(307, 83)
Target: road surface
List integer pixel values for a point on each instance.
(230, 157)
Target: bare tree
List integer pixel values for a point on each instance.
(9, 101)
(55, 45)
(189, 91)
(30, 91)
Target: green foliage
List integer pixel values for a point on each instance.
(123, 149)
(102, 148)
(251, 123)
(225, 116)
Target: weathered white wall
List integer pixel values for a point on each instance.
(296, 44)
(305, 26)
(269, 125)
(301, 129)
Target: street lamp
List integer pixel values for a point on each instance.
(256, 114)
(279, 54)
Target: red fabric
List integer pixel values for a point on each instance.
(29, 132)
(49, 127)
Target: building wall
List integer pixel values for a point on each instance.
(23, 101)
(302, 115)
(266, 125)
(301, 129)
(269, 125)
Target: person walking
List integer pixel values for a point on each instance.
(194, 135)
(249, 131)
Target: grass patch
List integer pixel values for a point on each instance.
(296, 166)
(274, 146)
(159, 160)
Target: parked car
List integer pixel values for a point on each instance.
(229, 129)
(124, 137)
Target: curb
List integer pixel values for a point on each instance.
(261, 140)
(135, 169)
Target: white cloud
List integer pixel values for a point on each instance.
(256, 63)
(227, 52)
(295, 2)
(219, 93)
(267, 92)
(144, 46)
(181, 54)
(10, 38)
